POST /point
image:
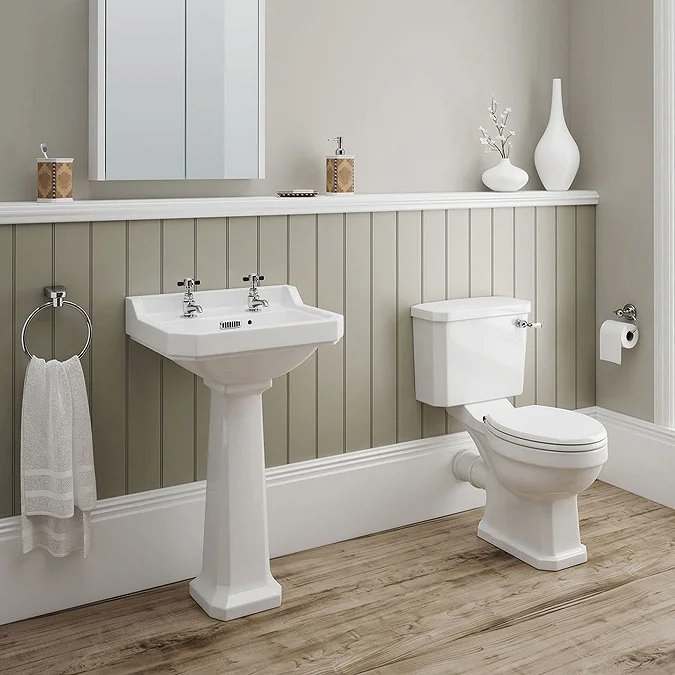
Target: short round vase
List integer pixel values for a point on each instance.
(504, 177)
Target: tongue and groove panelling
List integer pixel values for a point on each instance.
(149, 416)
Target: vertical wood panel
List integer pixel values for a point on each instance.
(565, 307)
(358, 331)
(545, 337)
(242, 250)
(330, 358)
(503, 255)
(481, 252)
(71, 269)
(302, 380)
(144, 366)
(273, 253)
(178, 389)
(503, 252)
(33, 271)
(433, 288)
(524, 284)
(384, 318)
(211, 269)
(586, 322)
(459, 245)
(7, 333)
(408, 409)
(458, 274)
(108, 352)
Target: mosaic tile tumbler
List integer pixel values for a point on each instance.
(55, 179)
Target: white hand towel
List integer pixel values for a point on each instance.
(47, 441)
(55, 424)
(84, 479)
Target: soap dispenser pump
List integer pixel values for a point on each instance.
(339, 171)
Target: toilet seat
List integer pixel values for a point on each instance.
(545, 436)
(542, 426)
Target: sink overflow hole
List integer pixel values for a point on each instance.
(229, 324)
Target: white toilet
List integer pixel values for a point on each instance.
(534, 461)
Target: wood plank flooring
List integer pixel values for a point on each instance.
(426, 599)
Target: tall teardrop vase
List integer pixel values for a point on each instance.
(556, 156)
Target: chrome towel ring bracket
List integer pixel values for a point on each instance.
(56, 295)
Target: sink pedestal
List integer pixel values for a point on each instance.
(235, 579)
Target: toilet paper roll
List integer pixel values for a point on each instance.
(615, 336)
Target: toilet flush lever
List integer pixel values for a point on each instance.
(522, 323)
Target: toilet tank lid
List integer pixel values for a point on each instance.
(462, 309)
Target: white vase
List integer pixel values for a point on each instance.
(557, 155)
(504, 177)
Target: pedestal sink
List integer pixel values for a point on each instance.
(237, 353)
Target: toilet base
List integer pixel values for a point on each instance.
(570, 558)
(542, 532)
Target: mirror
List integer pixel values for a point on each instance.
(176, 89)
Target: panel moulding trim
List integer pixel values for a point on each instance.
(664, 212)
(14, 213)
(641, 456)
(153, 538)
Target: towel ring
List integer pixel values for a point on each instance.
(37, 310)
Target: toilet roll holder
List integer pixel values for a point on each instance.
(628, 312)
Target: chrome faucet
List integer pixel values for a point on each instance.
(190, 307)
(255, 302)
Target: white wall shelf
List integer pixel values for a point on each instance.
(153, 209)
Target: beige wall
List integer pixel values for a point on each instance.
(406, 84)
(612, 93)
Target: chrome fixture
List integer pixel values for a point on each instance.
(628, 312)
(55, 296)
(522, 323)
(190, 307)
(255, 302)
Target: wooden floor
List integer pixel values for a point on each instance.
(427, 599)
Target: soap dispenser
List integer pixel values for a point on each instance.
(339, 171)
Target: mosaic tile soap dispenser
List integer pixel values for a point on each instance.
(339, 171)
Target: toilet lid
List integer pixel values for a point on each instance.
(565, 429)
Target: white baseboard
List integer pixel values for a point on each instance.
(152, 538)
(641, 456)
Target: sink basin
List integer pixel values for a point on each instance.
(264, 345)
(237, 353)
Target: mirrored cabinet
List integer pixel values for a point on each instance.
(176, 89)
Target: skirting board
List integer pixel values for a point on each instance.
(153, 538)
(641, 456)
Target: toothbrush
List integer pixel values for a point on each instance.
(43, 148)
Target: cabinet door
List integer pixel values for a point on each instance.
(145, 89)
(224, 76)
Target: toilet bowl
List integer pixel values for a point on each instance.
(532, 461)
